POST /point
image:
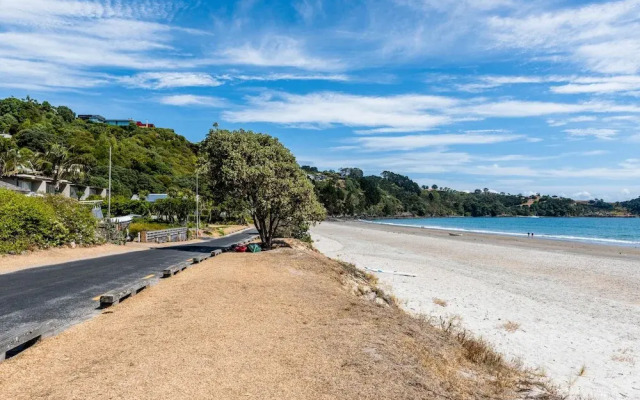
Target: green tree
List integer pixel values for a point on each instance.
(260, 170)
(60, 163)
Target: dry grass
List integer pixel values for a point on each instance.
(453, 366)
(440, 302)
(511, 326)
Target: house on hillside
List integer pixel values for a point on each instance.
(119, 122)
(143, 125)
(98, 119)
(37, 184)
(13, 188)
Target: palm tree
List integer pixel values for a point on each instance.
(14, 161)
(59, 161)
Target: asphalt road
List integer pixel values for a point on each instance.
(64, 294)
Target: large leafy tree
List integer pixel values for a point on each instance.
(258, 169)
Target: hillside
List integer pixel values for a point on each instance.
(350, 193)
(152, 160)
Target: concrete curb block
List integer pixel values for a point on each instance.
(197, 260)
(11, 345)
(118, 295)
(174, 269)
(216, 253)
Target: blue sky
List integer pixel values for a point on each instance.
(521, 98)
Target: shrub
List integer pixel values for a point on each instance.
(28, 223)
(76, 218)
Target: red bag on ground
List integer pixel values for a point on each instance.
(241, 249)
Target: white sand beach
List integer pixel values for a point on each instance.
(571, 310)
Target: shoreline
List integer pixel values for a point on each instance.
(555, 306)
(574, 239)
(542, 243)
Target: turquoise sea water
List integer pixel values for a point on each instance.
(612, 231)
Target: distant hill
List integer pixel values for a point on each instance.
(350, 193)
(152, 160)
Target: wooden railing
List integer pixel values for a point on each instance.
(165, 235)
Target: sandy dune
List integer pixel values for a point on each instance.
(569, 309)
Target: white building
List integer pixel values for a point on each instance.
(42, 185)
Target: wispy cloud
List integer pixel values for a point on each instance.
(411, 142)
(163, 80)
(399, 113)
(192, 100)
(603, 37)
(276, 51)
(598, 133)
(600, 85)
(405, 112)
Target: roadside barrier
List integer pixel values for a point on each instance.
(174, 269)
(165, 235)
(13, 344)
(116, 296)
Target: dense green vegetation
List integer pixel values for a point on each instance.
(51, 140)
(41, 222)
(632, 205)
(350, 193)
(263, 175)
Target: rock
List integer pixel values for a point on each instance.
(72, 245)
(370, 296)
(380, 301)
(363, 289)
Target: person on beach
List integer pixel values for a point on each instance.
(528, 234)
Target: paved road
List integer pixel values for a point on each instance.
(63, 294)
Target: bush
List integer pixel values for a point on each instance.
(28, 223)
(78, 219)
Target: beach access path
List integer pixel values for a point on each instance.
(570, 309)
(64, 294)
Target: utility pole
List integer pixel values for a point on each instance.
(197, 208)
(109, 200)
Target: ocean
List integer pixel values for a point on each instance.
(612, 231)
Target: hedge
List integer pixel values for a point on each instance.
(28, 223)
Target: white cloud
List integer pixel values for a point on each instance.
(600, 85)
(410, 142)
(80, 37)
(562, 122)
(583, 195)
(398, 113)
(32, 75)
(403, 112)
(598, 133)
(276, 51)
(163, 80)
(192, 100)
(493, 81)
(603, 37)
(292, 77)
